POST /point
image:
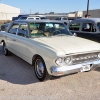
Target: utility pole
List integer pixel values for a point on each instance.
(87, 7)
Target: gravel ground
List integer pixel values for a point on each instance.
(18, 82)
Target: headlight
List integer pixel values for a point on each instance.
(60, 61)
(99, 55)
(67, 60)
(63, 61)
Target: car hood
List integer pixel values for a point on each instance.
(70, 44)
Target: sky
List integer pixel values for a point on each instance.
(57, 6)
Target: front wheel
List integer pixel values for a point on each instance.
(40, 69)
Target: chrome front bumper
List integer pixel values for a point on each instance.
(64, 70)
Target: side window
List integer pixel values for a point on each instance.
(74, 26)
(22, 31)
(88, 27)
(13, 29)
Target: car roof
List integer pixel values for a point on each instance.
(32, 21)
(95, 20)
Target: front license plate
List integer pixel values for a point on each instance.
(85, 68)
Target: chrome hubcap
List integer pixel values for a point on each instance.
(5, 50)
(39, 68)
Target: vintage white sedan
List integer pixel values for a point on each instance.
(50, 48)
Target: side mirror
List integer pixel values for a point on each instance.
(74, 34)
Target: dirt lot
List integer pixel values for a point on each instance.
(18, 82)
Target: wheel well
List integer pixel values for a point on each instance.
(34, 57)
(2, 41)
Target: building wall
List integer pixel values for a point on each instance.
(7, 12)
(94, 13)
(79, 14)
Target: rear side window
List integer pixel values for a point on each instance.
(13, 29)
(23, 31)
(74, 26)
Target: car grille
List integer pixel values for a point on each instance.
(84, 57)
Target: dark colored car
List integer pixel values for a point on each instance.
(85, 26)
(16, 18)
(4, 27)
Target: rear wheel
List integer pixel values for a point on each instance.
(6, 52)
(40, 69)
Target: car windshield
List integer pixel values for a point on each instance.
(98, 25)
(48, 29)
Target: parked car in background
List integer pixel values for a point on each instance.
(50, 47)
(16, 18)
(4, 26)
(29, 18)
(85, 26)
(63, 19)
(24, 16)
(42, 17)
